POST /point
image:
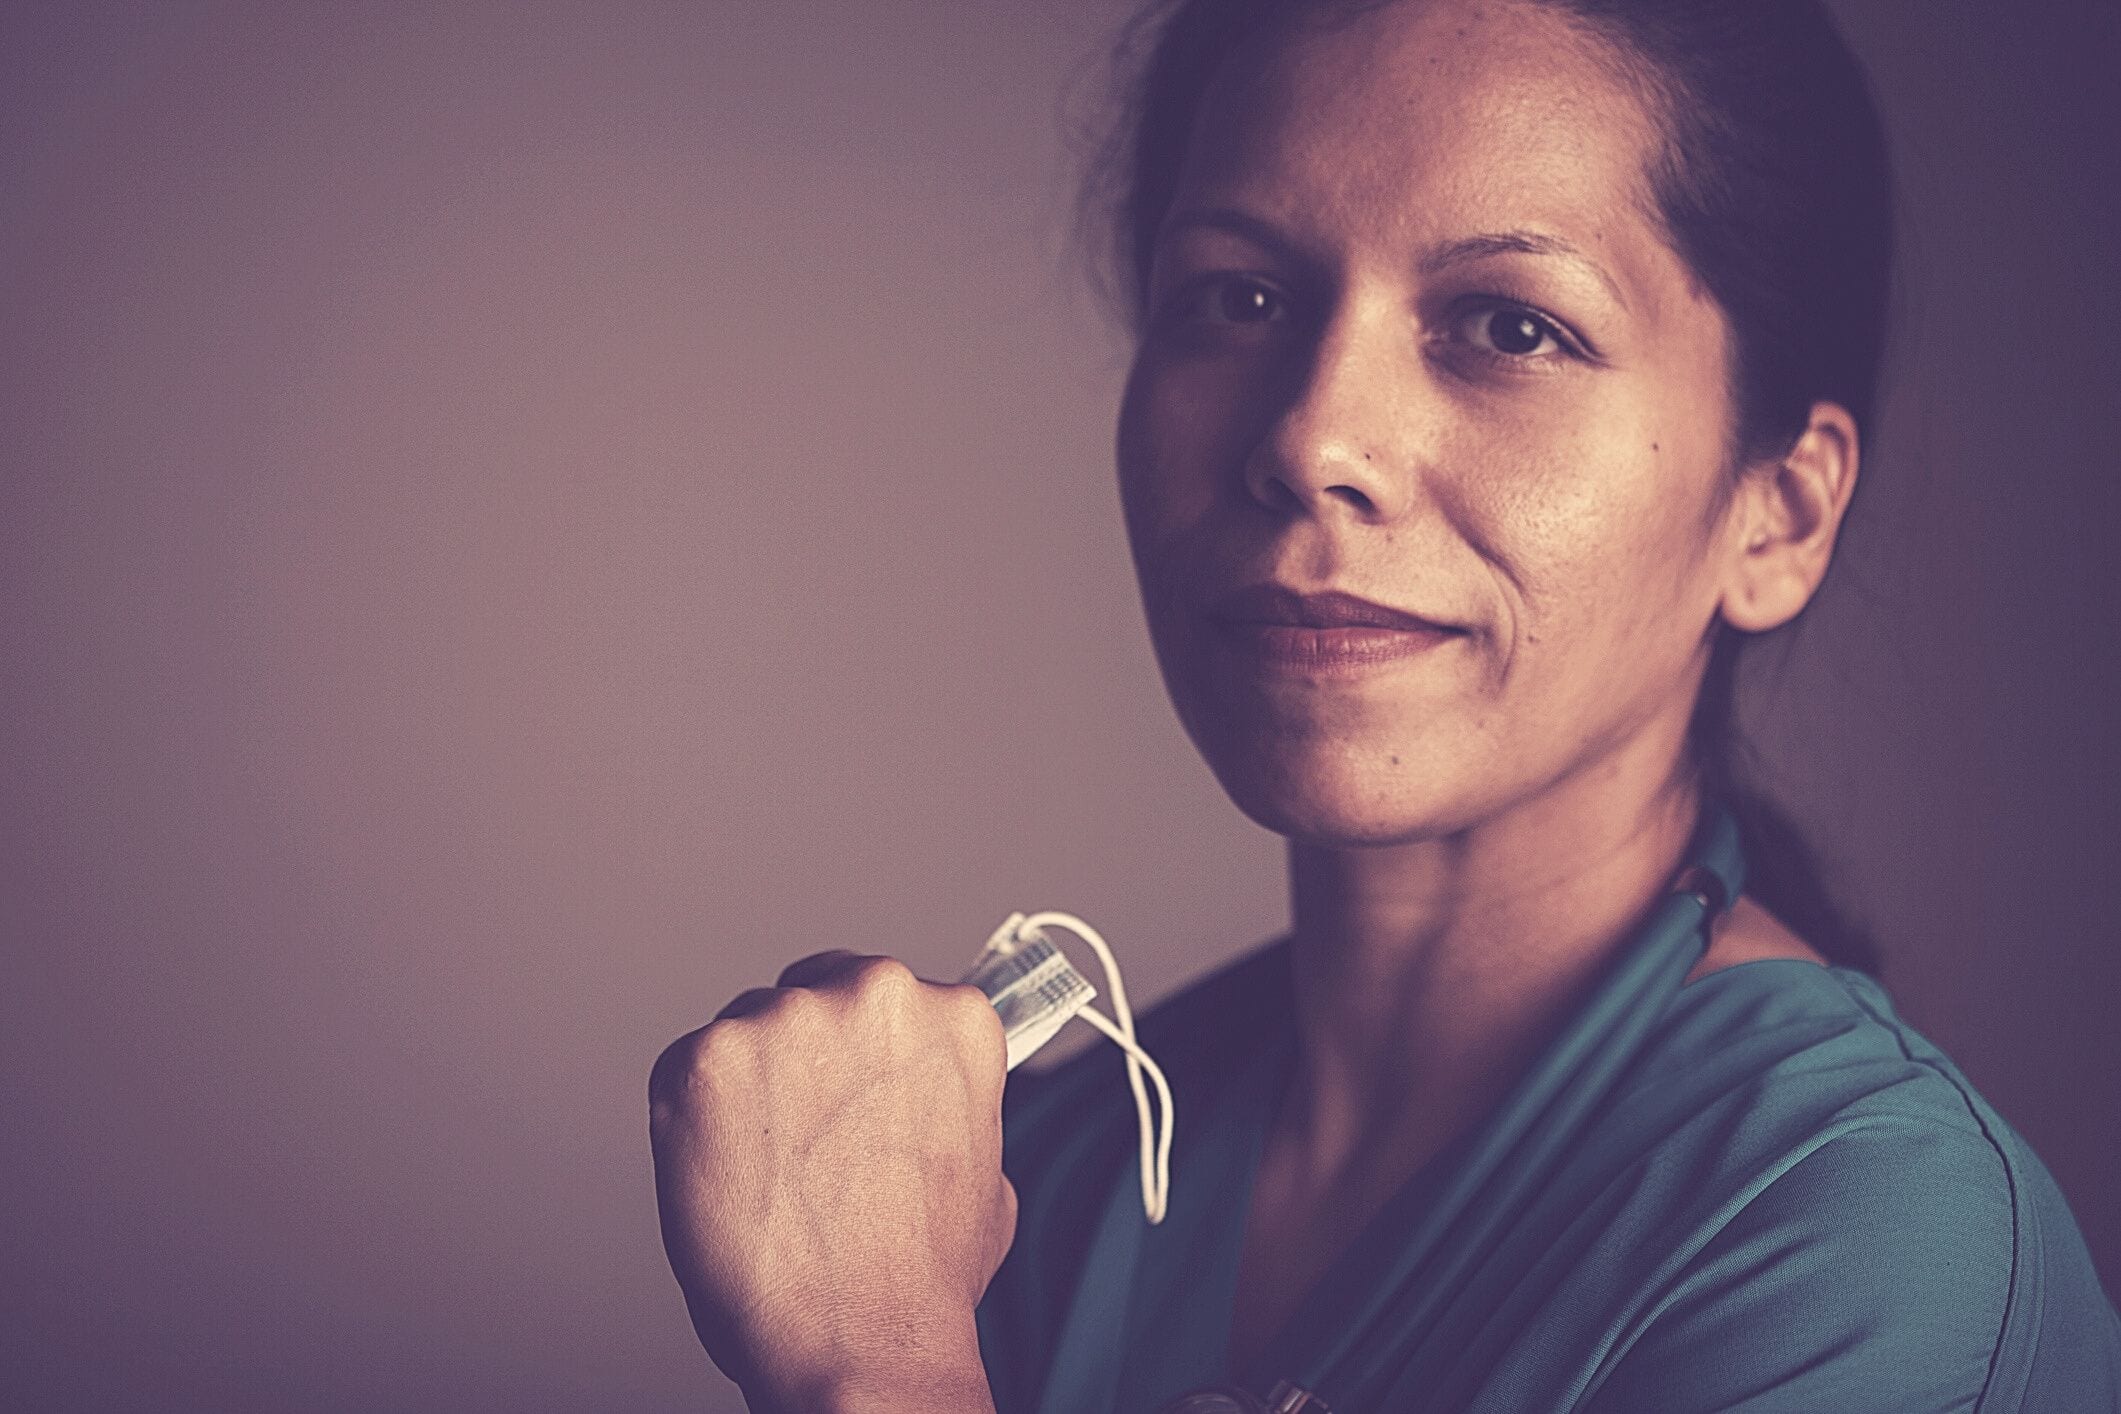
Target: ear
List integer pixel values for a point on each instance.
(1783, 520)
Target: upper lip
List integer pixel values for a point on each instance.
(1279, 604)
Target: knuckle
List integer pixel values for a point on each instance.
(792, 1006)
(976, 1016)
(1006, 1222)
(745, 1002)
(966, 999)
(886, 976)
(716, 1048)
(671, 1075)
(809, 968)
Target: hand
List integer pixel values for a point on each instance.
(828, 1171)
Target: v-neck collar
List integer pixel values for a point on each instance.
(1150, 1317)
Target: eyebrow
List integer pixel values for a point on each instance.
(1458, 252)
(1494, 243)
(1224, 218)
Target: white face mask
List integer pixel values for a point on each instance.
(1036, 989)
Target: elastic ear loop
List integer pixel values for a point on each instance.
(1156, 1154)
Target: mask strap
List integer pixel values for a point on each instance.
(1155, 1140)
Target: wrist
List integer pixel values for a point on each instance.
(922, 1374)
(953, 1390)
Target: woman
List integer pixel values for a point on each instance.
(1501, 368)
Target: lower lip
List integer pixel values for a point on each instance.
(1290, 648)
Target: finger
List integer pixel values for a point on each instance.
(666, 1078)
(1005, 1234)
(821, 968)
(746, 1002)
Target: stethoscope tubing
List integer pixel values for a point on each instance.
(1544, 1117)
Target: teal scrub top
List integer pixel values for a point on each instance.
(1758, 1191)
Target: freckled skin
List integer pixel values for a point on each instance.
(1413, 333)
(1368, 367)
(1562, 507)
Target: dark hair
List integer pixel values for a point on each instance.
(1774, 187)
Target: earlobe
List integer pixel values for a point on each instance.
(1785, 520)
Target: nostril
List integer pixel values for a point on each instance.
(1281, 496)
(1354, 497)
(1296, 495)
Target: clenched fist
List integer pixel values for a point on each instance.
(828, 1170)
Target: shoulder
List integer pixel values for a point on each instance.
(1750, 933)
(1875, 1271)
(1882, 1237)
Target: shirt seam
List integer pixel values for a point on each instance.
(2010, 1181)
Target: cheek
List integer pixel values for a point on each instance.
(1142, 487)
(1186, 425)
(1614, 529)
(1164, 487)
(1174, 447)
(1603, 544)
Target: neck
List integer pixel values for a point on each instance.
(1426, 975)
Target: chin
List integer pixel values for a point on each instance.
(1339, 796)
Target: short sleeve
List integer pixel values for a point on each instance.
(1874, 1274)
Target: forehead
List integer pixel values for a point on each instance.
(1423, 119)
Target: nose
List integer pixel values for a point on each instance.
(1343, 443)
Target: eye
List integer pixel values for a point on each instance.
(1511, 331)
(1231, 299)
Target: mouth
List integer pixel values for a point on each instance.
(1284, 629)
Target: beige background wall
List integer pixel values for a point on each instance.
(520, 519)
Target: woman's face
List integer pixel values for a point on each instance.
(1414, 337)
